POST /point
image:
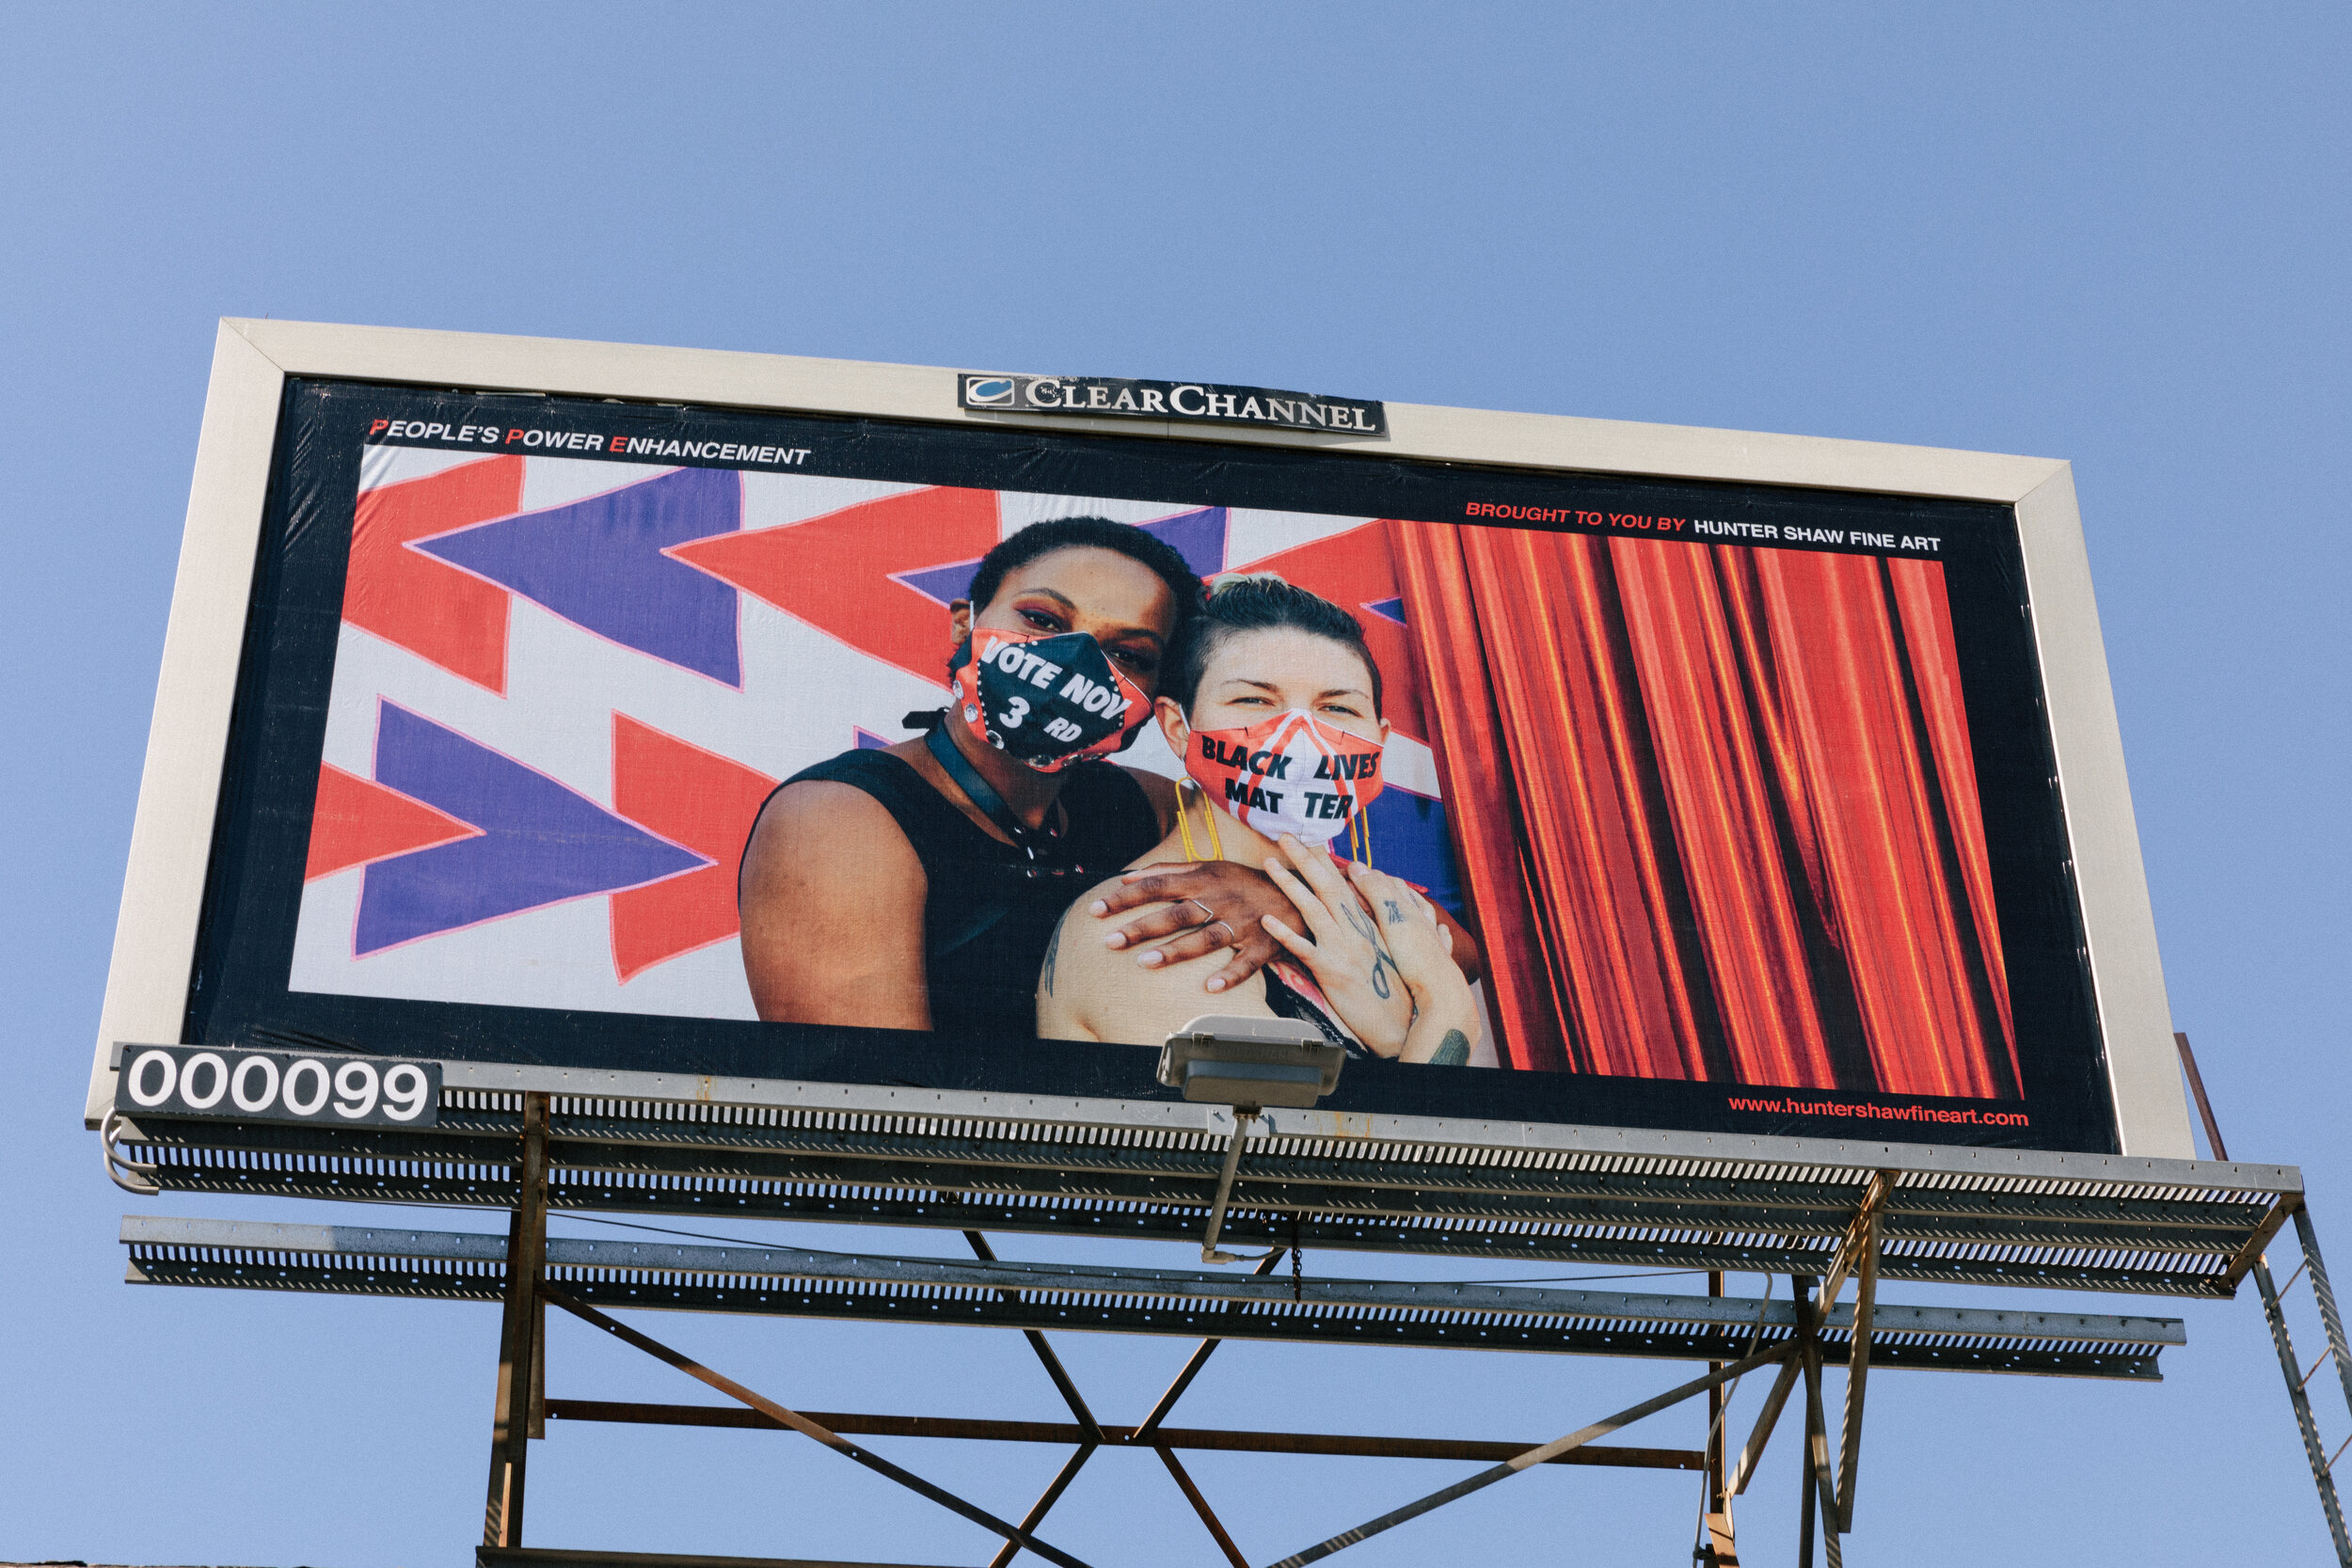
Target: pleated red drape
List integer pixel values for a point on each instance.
(1715, 809)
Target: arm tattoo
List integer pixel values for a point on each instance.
(1052, 955)
(1453, 1050)
(1381, 962)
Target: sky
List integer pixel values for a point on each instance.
(2114, 234)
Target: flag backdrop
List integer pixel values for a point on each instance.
(563, 687)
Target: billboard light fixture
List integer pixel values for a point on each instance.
(1248, 1063)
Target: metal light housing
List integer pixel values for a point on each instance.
(1250, 1061)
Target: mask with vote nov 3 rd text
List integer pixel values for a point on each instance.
(1047, 701)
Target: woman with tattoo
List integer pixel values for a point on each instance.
(1408, 936)
(916, 886)
(1273, 701)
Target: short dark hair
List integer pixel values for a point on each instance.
(1098, 533)
(1261, 603)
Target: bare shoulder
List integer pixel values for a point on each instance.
(1077, 970)
(1088, 991)
(827, 861)
(832, 912)
(819, 826)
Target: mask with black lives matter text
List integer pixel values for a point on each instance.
(1046, 701)
(1292, 773)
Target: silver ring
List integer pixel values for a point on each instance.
(1208, 915)
(1229, 930)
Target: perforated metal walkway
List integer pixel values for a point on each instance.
(1323, 1182)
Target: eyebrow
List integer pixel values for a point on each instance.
(1269, 686)
(1072, 605)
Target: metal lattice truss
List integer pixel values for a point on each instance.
(1828, 1214)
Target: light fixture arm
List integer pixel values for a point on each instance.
(1243, 1116)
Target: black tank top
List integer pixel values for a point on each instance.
(989, 909)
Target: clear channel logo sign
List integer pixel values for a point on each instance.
(988, 391)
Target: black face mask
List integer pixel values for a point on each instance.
(1047, 701)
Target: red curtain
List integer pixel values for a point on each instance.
(1715, 809)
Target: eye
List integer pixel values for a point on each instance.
(1039, 619)
(1134, 658)
(1349, 709)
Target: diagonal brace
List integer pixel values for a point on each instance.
(1201, 1506)
(1858, 1361)
(1071, 1466)
(1823, 1500)
(1054, 1368)
(1532, 1457)
(1766, 1419)
(1045, 1501)
(1858, 1230)
(800, 1423)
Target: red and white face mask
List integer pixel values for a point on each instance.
(1292, 773)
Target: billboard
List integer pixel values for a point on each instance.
(974, 752)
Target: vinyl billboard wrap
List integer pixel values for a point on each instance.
(616, 734)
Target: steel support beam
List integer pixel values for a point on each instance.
(1717, 1546)
(519, 1355)
(1808, 1494)
(1200, 1503)
(1094, 1432)
(801, 1424)
(958, 1428)
(1045, 1351)
(554, 1557)
(1527, 1461)
(1820, 1491)
(1766, 1420)
(1858, 1359)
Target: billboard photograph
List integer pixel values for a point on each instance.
(976, 756)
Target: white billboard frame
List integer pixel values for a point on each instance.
(155, 933)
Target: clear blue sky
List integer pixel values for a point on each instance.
(2116, 234)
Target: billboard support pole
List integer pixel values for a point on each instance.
(1717, 1543)
(1820, 1491)
(522, 1373)
(1806, 1494)
(1824, 1502)
(2322, 1466)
